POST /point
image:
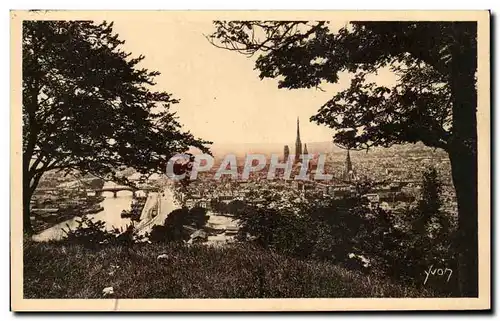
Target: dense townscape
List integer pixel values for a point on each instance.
(397, 172)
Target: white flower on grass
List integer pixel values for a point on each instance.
(366, 262)
(162, 257)
(108, 291)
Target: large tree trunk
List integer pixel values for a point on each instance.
(463, 154)
(27, 193)
(464, 171)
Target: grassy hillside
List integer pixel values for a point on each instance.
(70, 271)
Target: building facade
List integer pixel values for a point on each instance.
(286, 153)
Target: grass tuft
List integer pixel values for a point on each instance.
(239, 271)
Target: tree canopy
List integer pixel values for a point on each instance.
(305, 54)
(434, 99)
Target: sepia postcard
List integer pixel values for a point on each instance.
(250, 160)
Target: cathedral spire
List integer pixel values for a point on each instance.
(298, 144)
(349, 174)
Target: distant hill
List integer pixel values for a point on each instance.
(220, 150)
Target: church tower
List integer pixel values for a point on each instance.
(298, 144)
(349, 174)
(305, 149)
(286, 153)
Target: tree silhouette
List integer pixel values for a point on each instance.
(430, 203)
(434, 100)
(87, 106)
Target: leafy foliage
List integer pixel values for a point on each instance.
(88, 106)
(93, 234)
(234, 207)
(307, 54)
(433, 100)
(178, 225)
(351, 232)
(197, 217)
(172, 229)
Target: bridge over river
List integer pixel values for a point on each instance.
(118, 188)
(113, 205)
(113, 188)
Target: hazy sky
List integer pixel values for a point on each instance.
(222, 97)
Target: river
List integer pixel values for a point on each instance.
(110, 215)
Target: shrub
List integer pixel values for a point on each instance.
(172, 229)
(93, 234)
(176, 225)
(349, 232)
(197, 217)
(88, 233)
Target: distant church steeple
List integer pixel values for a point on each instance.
(305, 149)
(286, 152)
(298, 144)
(349, 174)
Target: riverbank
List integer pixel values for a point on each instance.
(111, 215)
(56, 270)
(42, 220)
(154, 212)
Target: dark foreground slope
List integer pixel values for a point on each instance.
(70, 271)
